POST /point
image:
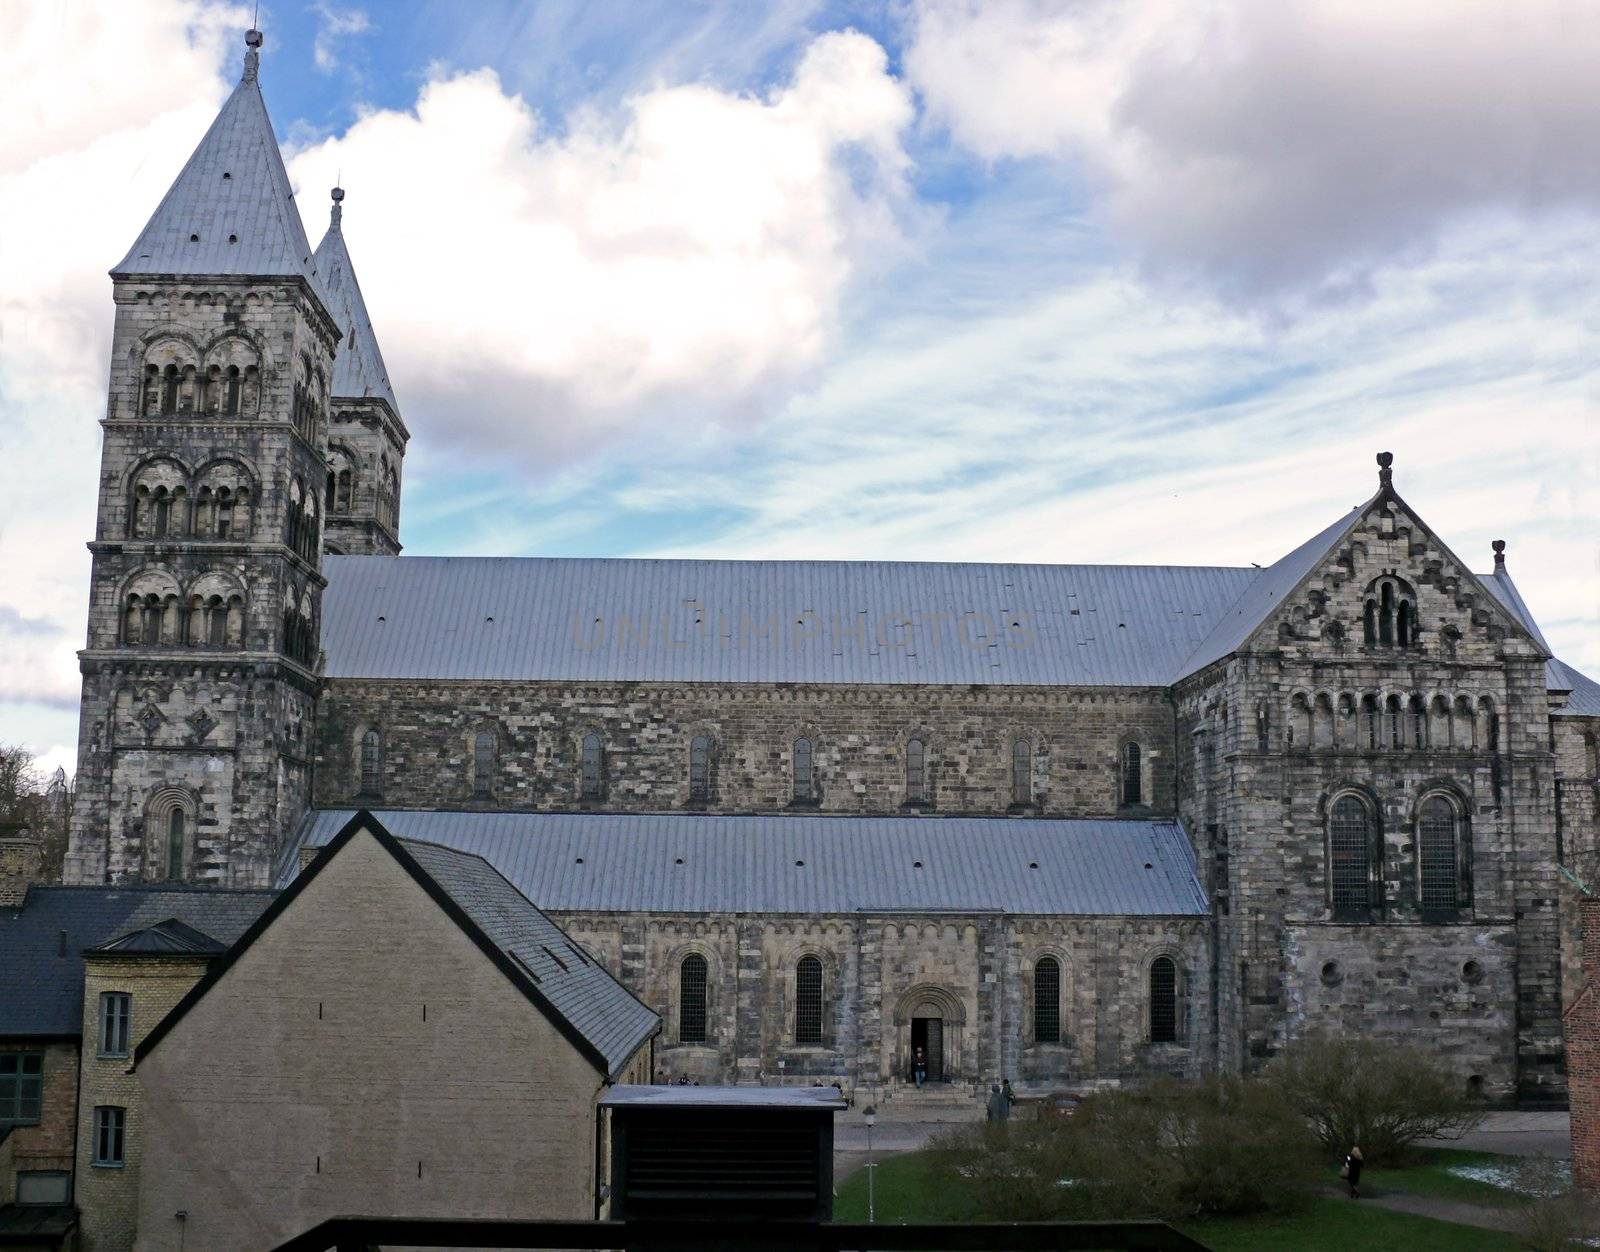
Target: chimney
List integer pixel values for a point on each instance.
(21, 863)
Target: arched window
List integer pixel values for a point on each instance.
(1417, 722)
(1132, 783)
(1350, 854)
(234, 385)
(169, 389)
(483, 745)
(1438, 855)
(916, 772)
(692, 999)
(808, 1000)
(1163, 1000)
(699, 769)
(177, 844)
(1047, 1000)
(1394, 725)
(592, 768)
(1371, 722)
(804, 783)
(372, 764)
(1022, 772)
(1389, 615)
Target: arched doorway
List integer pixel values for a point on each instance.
(930, 1018)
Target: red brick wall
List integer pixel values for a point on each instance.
(1582, 1023)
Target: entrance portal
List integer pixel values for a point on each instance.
(927, 1033)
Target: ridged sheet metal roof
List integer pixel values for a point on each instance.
(577, 619)
(570, 980)
(358, 368)
(811, 864)
(1583, 693)
(234, 185)
(1263, 594)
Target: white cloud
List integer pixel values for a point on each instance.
(91, 141)
(1277, 148)
(1101, 422)
(334, 25)
(679, 259)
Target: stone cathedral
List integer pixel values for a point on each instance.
(1059, 823)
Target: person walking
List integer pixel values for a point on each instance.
(1008, 1098)
(1351, 1172)
(919, 1068)
(996, 1109)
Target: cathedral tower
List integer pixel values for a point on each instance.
(200, 670)
(366, 436)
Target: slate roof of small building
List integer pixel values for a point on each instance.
(358, 368)
(171, 937)
(573, 983)
(814, 864)
(234, 187)
(43, 940)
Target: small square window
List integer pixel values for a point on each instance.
(115, 1009)
(110, 1123)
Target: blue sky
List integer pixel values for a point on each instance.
(1079, 281)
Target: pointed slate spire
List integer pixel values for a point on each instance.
(358, 368)
(231, 209)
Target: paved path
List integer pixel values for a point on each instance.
(1518, 1134)
(1462, 1214)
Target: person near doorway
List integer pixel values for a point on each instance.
(919, 1067)
(1010, 1098)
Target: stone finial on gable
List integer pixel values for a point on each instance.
(338, 209)
(252, 56)
(1499, 546)
(1385, 474)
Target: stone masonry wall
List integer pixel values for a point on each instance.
(1582, 1027)
(1276, 734)
(859, 733)
(878, 970)
(1576, 743)
(207, 718)
(365, 437)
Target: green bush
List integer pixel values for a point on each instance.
(1382, 1096)
(1170, 1149)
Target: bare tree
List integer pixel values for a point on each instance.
(1382, 1096)
(30, 802)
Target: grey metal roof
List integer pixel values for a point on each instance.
(811, 864)
(171, 937)
(638, 1095)
(1264, 594)
(42, 942)
(1583, 693)
(234, 186)
(358, 369)
(576, 619)
(573, 983)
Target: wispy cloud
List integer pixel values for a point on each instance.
(334, 26)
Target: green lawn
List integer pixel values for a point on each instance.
(1340, 1225)
(1427, 1172)
(907, 1192)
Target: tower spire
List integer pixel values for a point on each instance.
(252, 55)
